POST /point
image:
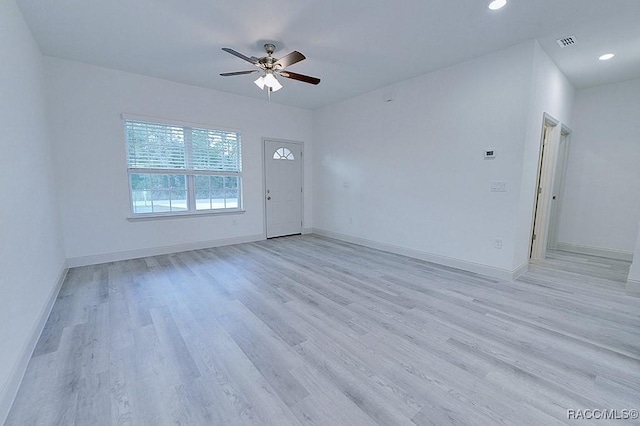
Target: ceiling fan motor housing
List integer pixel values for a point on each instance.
(267, 61)
(269, 48)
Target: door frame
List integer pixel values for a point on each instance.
(544, 187)
(264, 181)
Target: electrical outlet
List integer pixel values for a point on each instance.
(235, 222)
(350, 221)
(497, 243)
(498, 186)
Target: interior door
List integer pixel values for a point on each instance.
(558, 183)
(536, 211)
(283, 188)
(548, 155)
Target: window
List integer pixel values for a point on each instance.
(283, 154)
(176, 169)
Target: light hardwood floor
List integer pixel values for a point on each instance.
(309, 330)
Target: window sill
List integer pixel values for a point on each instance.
(162, 216)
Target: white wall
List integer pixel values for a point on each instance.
(410, 173)
(31, 256)
(601, 206)
(87, 102)
(553, 94)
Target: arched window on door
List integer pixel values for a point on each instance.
(283, 154)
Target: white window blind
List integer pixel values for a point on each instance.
(155, 146)
(215, 150)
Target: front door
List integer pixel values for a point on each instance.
(283, 187)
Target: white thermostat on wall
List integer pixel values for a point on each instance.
(490, 153)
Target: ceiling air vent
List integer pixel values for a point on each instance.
(566, 41)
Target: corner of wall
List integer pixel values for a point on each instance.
(34, 264)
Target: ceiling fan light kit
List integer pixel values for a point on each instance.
(270, 81)
(272, 68)
(260, 82)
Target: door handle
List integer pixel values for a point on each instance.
(269, 197)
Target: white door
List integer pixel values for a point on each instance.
(548, 155)
(283, 187)
(558, 186)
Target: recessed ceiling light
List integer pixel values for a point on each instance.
(606, 56)
(497, 4)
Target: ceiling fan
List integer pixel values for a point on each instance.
(272, 67)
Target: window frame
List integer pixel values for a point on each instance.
(189, 173)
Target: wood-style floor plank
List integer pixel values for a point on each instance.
(309, 330)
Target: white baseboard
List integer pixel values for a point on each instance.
(597, 251)
(10, 390)
(477, 268)
(633, 288)
(520, 270)
(156, 251)
(306, 231)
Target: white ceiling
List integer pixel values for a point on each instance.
(354, 46)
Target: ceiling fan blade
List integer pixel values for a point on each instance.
(227, 74)
(300, 77)
(240, 55)
(290, 59)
